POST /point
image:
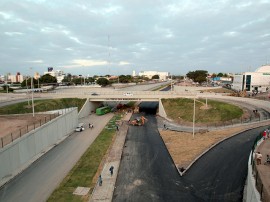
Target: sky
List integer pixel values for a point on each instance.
(99, 37)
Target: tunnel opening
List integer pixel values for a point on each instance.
(148, 107)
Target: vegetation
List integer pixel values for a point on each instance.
(47, 79)
(86, 168)
(182, 110)
(103, 81)
(155, 77)
(42, 105)
(199, 76)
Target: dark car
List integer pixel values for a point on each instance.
(94, 94)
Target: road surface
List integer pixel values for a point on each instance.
(147, 172)
(39, 180)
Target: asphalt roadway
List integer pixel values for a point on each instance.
(147, 172)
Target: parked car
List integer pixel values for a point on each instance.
(94, 94)
(128, 94)
(80, 127)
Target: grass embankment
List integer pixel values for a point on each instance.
(43, 105)
(86, 168)
(182, 110)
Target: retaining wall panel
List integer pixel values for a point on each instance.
(5, 164)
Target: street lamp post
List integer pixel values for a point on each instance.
(193, 128)
(33, 107)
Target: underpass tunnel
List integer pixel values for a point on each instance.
(148, 107)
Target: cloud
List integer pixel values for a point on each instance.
(174, 36)
(35, 61)
(85, 63)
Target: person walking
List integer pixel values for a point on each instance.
(111, 170)
(100, 180)
(117, 127)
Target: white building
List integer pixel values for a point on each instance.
(253, 81)
(162, 75)
(58, 74)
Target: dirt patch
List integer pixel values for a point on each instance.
(184, 148)
(14, 123)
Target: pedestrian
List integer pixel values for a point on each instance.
(259, 158)
(100, 180)
(264, 135)
(111, 170)
(164, 127)
(117, 127)
(89, 125)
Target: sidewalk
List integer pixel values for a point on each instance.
(264, 170)
(105, 192)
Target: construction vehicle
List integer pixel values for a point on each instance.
(139, 121)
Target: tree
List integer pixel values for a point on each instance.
(47, 79)
(220, 74)
(28, 82)
(125, 78)
(155, 77)
(103, 81)
(213, 75)
(199, 76)
(67, 78)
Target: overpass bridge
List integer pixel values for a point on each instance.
(101, 96)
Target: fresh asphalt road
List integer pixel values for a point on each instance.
(147, 172)
(39, 180)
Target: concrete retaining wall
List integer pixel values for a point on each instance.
(88, 108)
(18, 155)
(161, 110)
(251, 194)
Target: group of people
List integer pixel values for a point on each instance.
(259, 157)
(91, 125)
(100, 178)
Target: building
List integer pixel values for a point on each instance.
(58, 74)
(18, 78)
(258, 81)
(162, 75)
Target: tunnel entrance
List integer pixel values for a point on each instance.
(149, 107)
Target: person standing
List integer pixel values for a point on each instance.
(117, 127)
(259, 158)
(100, 180)
(111, 170)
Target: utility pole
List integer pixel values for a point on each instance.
(193, 128)
(33, 107)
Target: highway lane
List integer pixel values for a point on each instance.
(39, 180)
(147, 172)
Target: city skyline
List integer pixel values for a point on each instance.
(99, 38)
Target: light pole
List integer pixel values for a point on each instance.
(193, 128)
(27, 90)
(171, 82)
(33, 107)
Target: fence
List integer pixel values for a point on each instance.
(265, 196)
(7, 139)
(239, 121)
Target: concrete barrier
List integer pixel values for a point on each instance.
(251, 194)
(21, 153)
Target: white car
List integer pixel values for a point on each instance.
(80, 127)
(128, 94)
